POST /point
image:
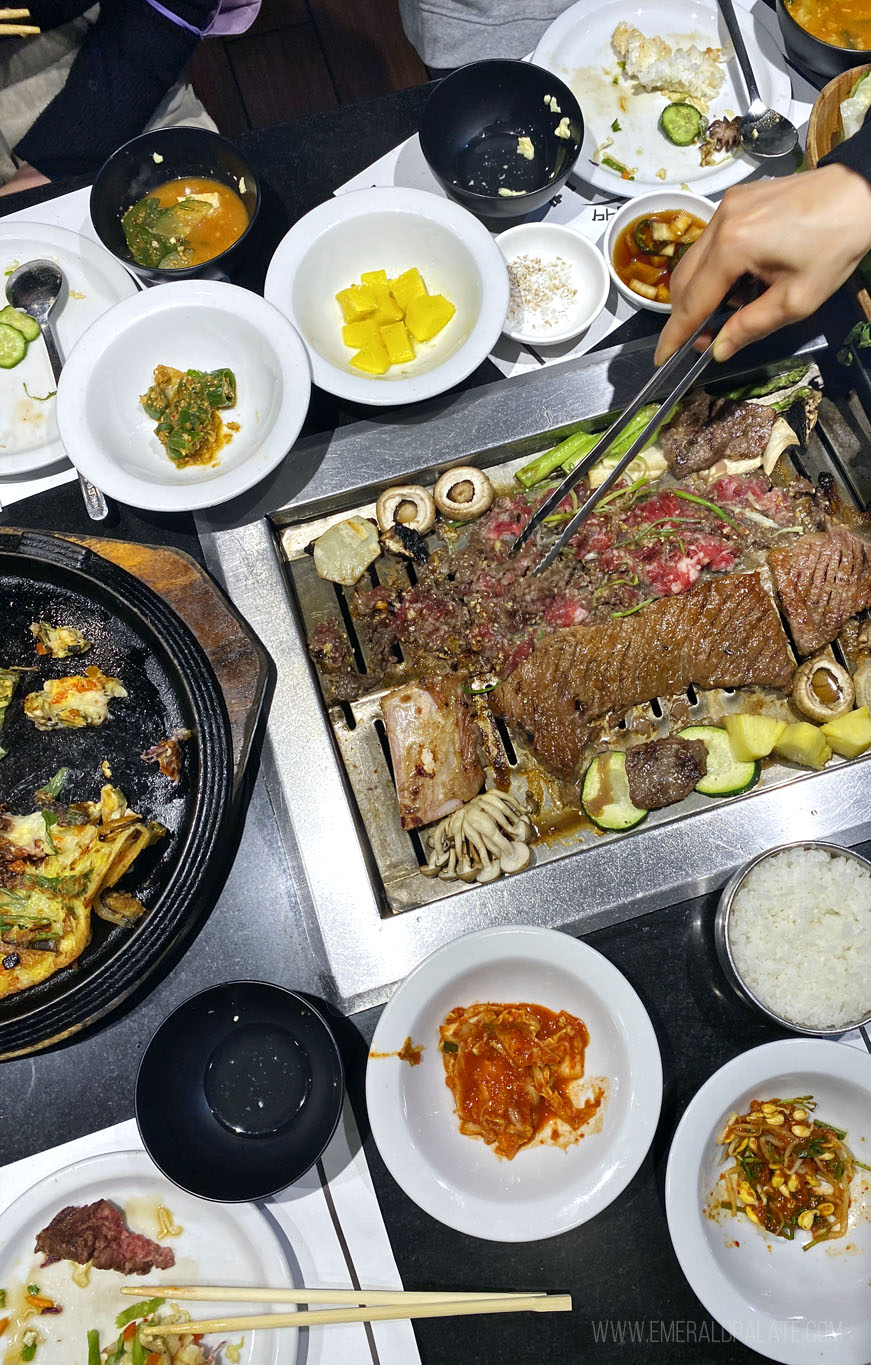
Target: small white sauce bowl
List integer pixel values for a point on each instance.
(644, 207)
(589, 277)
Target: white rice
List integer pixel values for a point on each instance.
(655, 65)
(800, 931)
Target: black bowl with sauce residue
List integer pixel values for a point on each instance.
(239, 1091)
(150, 160)
(474, 123)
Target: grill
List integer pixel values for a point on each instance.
(328, 768)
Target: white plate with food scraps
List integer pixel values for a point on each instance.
(558, 283)
(791, 1305)
(95, 281)
(217, 1244)
(577, 47)
(544, 1189)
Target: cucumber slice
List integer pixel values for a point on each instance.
(605, 793)
(682, 123)
(726, 775)
(21, 321)
(13, 347)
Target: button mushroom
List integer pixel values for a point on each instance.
(410, 506)
(823, 689)
(463, 493)
(477, 843)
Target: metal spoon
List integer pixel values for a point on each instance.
(763, 132)
(35, 288)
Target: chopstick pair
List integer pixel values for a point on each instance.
(738, 295)
(375, 1305)
(8, 30)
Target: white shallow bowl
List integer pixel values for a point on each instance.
(643, 207)
(391, 229)
(589, 278)
(189, 324)
(460, 1180)
(802, 1308)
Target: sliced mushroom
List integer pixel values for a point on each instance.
(823, 690)
(463, 493)
(409, 505)
(485, 838)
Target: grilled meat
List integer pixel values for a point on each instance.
(722, 633)
(433, 747)
(822, 579)
(664, 771)
(710, 429)
(96, 1233)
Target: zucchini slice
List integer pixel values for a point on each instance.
(726, 775)
(605, 793)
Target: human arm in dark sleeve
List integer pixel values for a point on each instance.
(854, 152)
(129, 60)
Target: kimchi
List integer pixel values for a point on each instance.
(512, 1070)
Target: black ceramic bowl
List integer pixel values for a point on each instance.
(806, 50)
(471, 125)
(239, 1091)
(132, 171)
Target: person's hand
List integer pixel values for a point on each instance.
(801, 236)
(25, 178)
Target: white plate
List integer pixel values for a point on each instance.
(188, 324)
(577, 48)
(799, 1307)
(460, 1180)
(550, 242)
(219, 1245)
(29, 437)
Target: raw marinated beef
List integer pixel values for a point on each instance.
(96, 1233)
(822, 579)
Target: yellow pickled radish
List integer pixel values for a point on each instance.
(359, 334)
(427, 314)
(356, 302)
(372, 359)
(407, 286)
(399, 345)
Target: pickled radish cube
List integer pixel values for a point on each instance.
(427, 314)
(399, 345)
(356, 302)
(372, 359)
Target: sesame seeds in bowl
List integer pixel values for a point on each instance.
(558, 281)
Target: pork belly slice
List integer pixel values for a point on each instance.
(725, 632)
(433, 746)
(664, 771)
(707, 430)
(822, 579)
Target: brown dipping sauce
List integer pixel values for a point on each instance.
(648, 272)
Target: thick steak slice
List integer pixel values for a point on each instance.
(96, 1233)
(723, 633)
(710, 429)
(433, 747)
(822, 579)
(664, 771)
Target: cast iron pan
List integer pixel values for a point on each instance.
(170, 684)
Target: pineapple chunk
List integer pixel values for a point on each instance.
(372, 359)
(357, 334)
(427, 314)
(374, 277)
(407, 287)
(399, 345)
(849, 735)
(803, 743)
(356, 302)
(752, 737)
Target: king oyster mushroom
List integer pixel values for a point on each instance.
(477, 843)
(408, 505)
(463, 493)
(823, 689)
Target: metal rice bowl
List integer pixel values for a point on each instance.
(723, 944)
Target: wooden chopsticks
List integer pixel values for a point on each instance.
(16, 30)
(374, 1305)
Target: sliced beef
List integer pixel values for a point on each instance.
(664, 771)
(822, 579)
(725, 632)
(710, 429)
(96, 1233)
(433, 746)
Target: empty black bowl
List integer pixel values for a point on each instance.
(239, 1091)
(150, 160)
(471, 125)
(824, 58)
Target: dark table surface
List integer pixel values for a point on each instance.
(631, 1299)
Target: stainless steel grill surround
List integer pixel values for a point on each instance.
(363, 948)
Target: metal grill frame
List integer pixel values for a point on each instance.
(363, 948)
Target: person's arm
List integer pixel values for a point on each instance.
(128, 61)
(802, 236)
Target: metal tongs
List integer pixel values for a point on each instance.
(740, 293)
